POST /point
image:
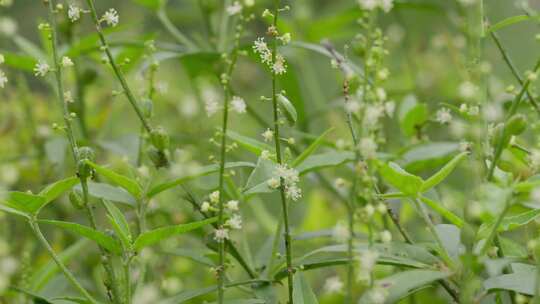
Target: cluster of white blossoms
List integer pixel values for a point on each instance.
(3, 77)
(74, 12)
(333, 285)
(237, 6)
(110, 17)
(290, 178)
(378, 294)
(385, 5)
(367, 261)
(340, 232)
(368, 147)
(443, 116)
(238, 105)
(41, 69)
(278, 64)
(231, 209)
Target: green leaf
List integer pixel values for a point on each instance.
(440, 209)
(159, 234)
(207, 170)
(509, 222)
(438, 177)
(450, 236)
(119, 223)
(257, 181)
(36, 299)
(402, 180)
(309, 150)
(110, 193)
(24, 202)
(254, 146)
(324, 160)
(290, 111)
(21, 62)
(405, 283)
(13, 211)
(302, 292)
(151, 4)
(99, 237)
(130, 185)
(412, 115)
(522, 282)
(188, 295)
(54, 190)
(511, 21)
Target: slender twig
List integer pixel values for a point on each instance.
(35, 228)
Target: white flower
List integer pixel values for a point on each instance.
(211, 107)
(8, 26)
(205, 206)
(214, 197)
(368, 147)
(492, 112)
(41, 69)
(464, 146)
(2, 58)
(389, 108)
(68, 97)
(467, 2)
(221, 234)
(340, 232)
(368, 260)
(293, 192)
(235, 222)
(369, 210)
(66, 62)
(234, 9)
(378, 295)
(273, 183)
(74, 13)
(386, 236)
(268, 135)
(3, 79)
(381, 208)
(381, 94)
(285, 38)
(333, 285)
(352, 106)
(249, 3)
(443, 116)
(265, 154)
(232, 205)
(260, 47)
(110, 17)
(290, 176)
(238, 105)
(386, 5)
(279, 67)
(368, 4)
(467, 90)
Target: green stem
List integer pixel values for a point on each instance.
(493, 232)
(284, 206)
(127, 278)
(174, 31)
(71, 278)
(119, 75)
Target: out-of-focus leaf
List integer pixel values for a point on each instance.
(402, 180)
(203, 171)
(511, 21)
(56, 189)
(412, 115)
(324, 160)
(159, 234)
(99, 237)
(512, 248)
(110, 193)
(302, 292)
(36, 299)
(55, 149)
(119, 223)
(254, 146)
(130, 185)
(188, 295)
(21, 62)
(509, 222)
(151, 4)
(438, 177)
(290, 110)
(405, 283)
(200, 63)
(522, 282)
(310, 149)
(450, 236)
(257, 181)
(199, 256)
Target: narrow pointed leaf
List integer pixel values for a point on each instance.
(25, 202)
(522, 282)
(302, 292)
(438, 177)
(324, 160)
(440, 209)
(509, 222)
(54, 190)
(99, 237)
(290, 110)
(159, 234)
(119, 223)
(130, 185)
(402, 180)
(252, 145)
(309, 150)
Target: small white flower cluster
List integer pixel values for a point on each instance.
(367, 261)
(268, 135)
(238, 105)
(234, 8)
(41, 69)
(385, 5)
(443, 116)
(378, 294)
(231, 208)
(340, 232)
(110, 17)
(74, 13)
(368, 147)
(290, 178)
(333, 285)
(3, 77)
(278, 64)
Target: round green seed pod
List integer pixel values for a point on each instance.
(160, 138)
(76, 200)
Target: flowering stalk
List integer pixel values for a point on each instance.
(79, 154)
(285, 211)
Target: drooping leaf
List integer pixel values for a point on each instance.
(119, 223)
(302, 292)
(402, 180)
(254, 146)
(159, 234)
(99, 237)
(440, 209)
(438, 177)
(56, 189)
(509, 222)
(203, 171)
(290, 110)
(110, 193)
(310, 149)
(511, 21)
(130, 185)
(405, 283)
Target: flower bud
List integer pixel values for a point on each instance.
(159, 138)
(76, 200)
(158, 158)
